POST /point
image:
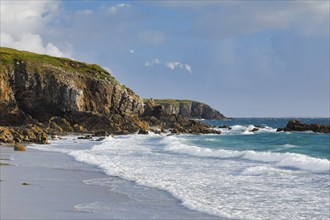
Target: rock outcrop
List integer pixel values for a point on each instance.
(42, 95)
(296, 125)
(39, 87)
(28, 133)
(187, 108)
(160, 119)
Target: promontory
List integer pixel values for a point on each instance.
(42, 95)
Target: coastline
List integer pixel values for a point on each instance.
(52, 185)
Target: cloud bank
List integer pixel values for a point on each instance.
(22, 26)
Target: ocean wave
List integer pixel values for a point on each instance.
(247, 130)
(294, 160)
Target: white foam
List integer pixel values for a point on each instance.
(294, 160)
(265, 170)
(252, 185)
(246, 130)
(289, 146)
(94, 207)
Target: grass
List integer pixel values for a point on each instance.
(10, 56)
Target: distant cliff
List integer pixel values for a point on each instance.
(187, 108)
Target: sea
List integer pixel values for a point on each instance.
(238, 174)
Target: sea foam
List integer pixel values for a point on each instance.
(226, 183)
(294, 160)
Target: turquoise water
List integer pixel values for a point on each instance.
(307, 143)
(238, 174)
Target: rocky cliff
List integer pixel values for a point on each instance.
(39, 87)
(187, 108)
(42, 95)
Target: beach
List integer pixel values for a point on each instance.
(50, 185)
(250, 171)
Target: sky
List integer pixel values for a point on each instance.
(244, 58)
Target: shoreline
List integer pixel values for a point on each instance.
(52, 185)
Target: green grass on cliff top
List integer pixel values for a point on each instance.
(10, 56)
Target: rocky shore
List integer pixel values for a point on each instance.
(296, 125)
(42, 95)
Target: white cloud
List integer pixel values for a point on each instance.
(188, 68)
(175, 64)
(170, 65)
(131, 51)
(22, 26)
(114, 9)
(152, 62)
(30, 42)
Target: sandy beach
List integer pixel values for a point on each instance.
(50, 185)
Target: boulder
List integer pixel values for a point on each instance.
(19, 147)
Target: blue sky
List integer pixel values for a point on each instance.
(245, 58)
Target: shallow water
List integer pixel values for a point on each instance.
(239, 174)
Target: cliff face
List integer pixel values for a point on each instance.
(187, 108)
(34, 86)
(42, 95)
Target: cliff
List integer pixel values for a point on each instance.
(39, 87)
(42, 95)
(187, 108)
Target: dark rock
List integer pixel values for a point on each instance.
(101, 133)
(87, 137)
(296, 125)
(225, 126)
(141, 131)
